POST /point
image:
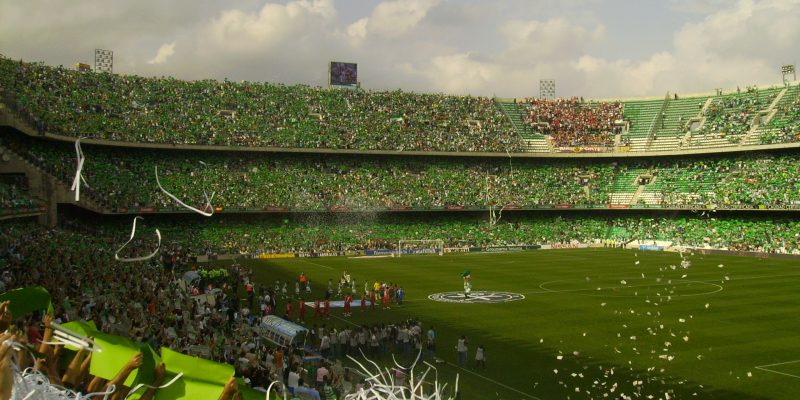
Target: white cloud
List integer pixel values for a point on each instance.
(394, 18)
(461, 73)
(554, 39)
(357, 31)
(273, 24)
(419, 45)
(164, 52)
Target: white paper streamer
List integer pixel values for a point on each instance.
(76, 183)
(32, 384)
(382, 385)
(64, 336)
(144, 258)
(141, 385)
(208, 200)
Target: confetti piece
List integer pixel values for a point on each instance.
(559, 357)
(637, 262)
(681, 320)
(623, 282)
(707, 305)
(720, 266)
(749, 374)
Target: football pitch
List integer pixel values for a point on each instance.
(591, 323)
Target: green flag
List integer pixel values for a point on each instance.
(201, 380)
(115, 352)
(24, 301)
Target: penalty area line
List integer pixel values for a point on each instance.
(764, 368)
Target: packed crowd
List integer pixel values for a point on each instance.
(785, 126)
(125, 179)
(752, 181)
(13, 196)
(207, 112)
(342, 233)
(732, 116)
(572, 122)
(158, 307)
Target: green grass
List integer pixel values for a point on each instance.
(719, 322)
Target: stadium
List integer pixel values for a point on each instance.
(181, 238)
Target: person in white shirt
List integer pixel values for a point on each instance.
(461, 348)
(294, 380)
(480, 357)
(431, 342)
(325, 345)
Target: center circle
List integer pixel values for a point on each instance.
(476, 297)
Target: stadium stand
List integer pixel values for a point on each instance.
(14, 197)
(783, 121)
(123, 180)
(126, 108)
(322, 203)
(574, 123)
(136, 109)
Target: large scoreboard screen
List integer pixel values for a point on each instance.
(343, 74)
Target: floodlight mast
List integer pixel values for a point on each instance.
(103, 61)
(788, 69)
(547, 89)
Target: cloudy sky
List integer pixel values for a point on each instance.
(592, 48)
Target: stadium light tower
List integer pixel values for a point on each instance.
(103, 61)
(788, 69)
(547, 89)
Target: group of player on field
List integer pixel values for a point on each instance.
(382, 293)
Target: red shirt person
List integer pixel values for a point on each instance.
(317, 308)
(302, 308)
(347, 300)
(288, 310)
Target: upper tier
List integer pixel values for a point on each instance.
(169, 111)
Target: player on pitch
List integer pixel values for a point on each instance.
(467, 283)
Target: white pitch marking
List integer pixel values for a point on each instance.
(758, 277)
(546, 290)
(780, 363)
(313, 263)
(764, 368)
(493, 381)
